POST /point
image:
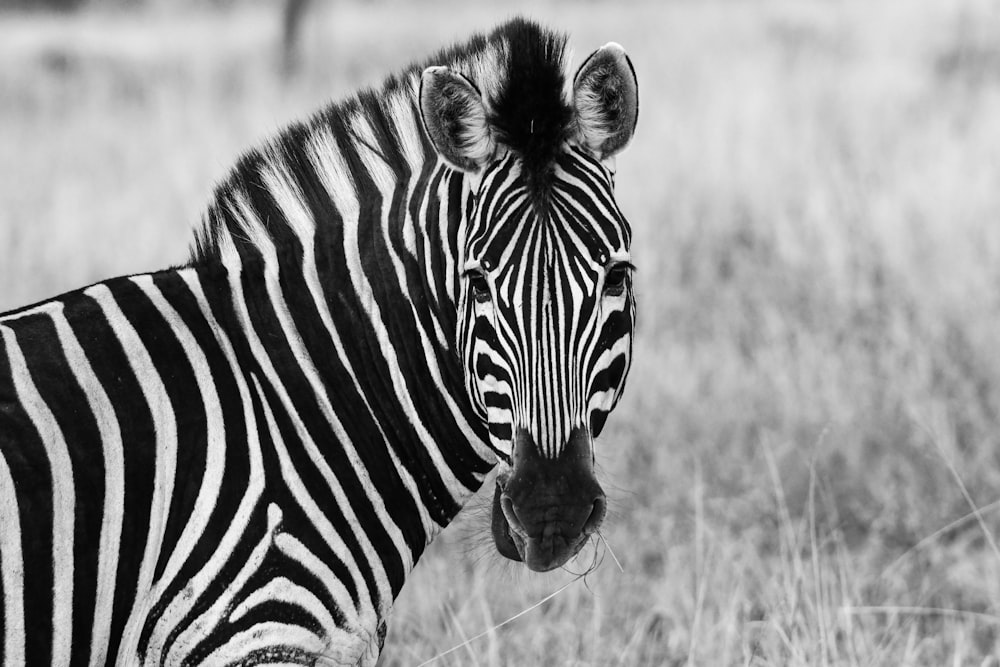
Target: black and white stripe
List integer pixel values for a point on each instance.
(240, 460)
(550, 350)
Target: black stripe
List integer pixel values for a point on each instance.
(175, 372)
(362, 349)
(610, 376)
(617, 325)
(112, 369)
(293, 379)
(431, 245)
(403, 325)
(363, 431)
(24, 452)
(59, 389)
(192, 451)
(255, 531)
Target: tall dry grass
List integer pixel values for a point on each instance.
(814, 412)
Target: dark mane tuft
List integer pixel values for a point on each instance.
(531, 114)
(527, 101)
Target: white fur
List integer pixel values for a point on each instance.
(114, 483)
(593, 129)
(13, 567)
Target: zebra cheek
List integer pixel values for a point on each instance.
(597, 420)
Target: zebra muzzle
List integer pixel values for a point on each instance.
(547, 508)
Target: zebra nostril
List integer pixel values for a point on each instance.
(596, 516)
(507, 505)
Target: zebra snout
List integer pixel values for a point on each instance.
(545, 511)
(596, 517)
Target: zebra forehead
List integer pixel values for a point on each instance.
(569, 226)
(538, 246)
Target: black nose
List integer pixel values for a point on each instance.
(596, 517)
(549, 506)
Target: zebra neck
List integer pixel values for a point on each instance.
(350, 281)
(340, 242)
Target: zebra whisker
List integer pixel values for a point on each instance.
(611, 551)
(496, 627)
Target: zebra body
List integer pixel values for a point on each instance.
(238, 461)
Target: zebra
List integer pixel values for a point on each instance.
(238, 460)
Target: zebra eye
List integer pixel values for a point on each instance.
(614, 281)
(479, 286)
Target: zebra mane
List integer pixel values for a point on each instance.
(519, 69)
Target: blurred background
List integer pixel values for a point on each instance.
(805, 469)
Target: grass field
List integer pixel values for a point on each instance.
(814, 409)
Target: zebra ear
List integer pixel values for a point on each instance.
(455, 118)
(606, 101)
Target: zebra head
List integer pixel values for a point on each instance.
(545, 307)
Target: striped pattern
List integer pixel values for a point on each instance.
(240, 460)
(550, 351)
